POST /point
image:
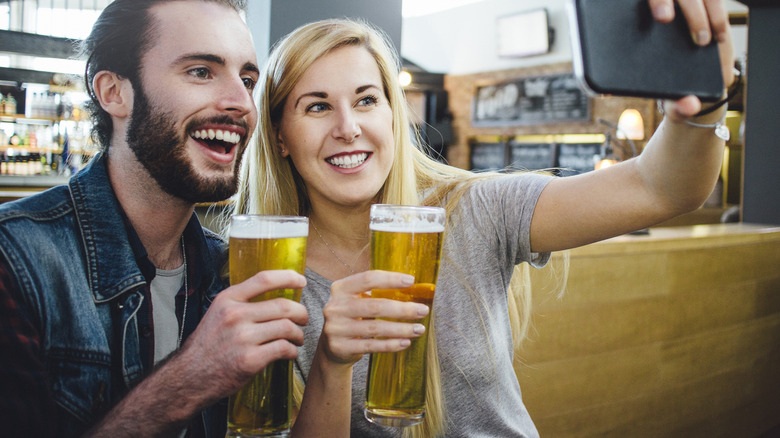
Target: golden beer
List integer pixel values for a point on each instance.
(263, 408)
(408, 240)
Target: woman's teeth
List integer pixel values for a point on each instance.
(348, 161)
(217, 134)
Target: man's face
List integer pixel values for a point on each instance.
(193, 113)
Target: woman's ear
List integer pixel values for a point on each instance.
(114, 93)
(280, 143)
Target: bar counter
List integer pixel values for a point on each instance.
(671, 334)
(16, 187)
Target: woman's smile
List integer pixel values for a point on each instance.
(348, 160)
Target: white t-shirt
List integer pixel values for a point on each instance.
(165, 285)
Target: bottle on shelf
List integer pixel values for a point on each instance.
(10, 104)
(35, 105)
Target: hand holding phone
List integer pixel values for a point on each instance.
(620, 49)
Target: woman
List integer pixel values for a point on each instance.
(335, 139)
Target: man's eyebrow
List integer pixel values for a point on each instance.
(250, 66)
(214, 59)
(206, 57)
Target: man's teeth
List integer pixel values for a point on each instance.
(217, 134)
(348, 161)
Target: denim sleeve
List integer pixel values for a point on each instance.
(26, 403)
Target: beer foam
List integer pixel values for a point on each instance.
(415, 226)
(256, 229)
(406, 219)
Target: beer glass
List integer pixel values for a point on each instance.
(403, 239)
(263, 407)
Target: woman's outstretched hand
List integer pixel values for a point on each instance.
(707, 20)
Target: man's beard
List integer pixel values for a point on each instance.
(156, 145)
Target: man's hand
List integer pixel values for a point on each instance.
(235, 340)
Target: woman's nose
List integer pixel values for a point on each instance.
(348, 128)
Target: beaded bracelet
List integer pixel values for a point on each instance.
(721, 130)
(729, 94)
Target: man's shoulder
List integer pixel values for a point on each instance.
(213, 238)
(37, 225)
(45, 205)
(216, 245)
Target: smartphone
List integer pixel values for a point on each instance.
(619, 49)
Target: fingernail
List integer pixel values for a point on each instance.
(422, 309)
(407, 280)
(702, 38)
(663, 12)
(419, 329)
(405, 342)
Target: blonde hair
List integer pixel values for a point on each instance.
(269, 183)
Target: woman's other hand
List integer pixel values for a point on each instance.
(356, 324)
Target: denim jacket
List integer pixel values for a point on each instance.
(77, 274)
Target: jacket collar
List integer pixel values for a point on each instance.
(112, 266)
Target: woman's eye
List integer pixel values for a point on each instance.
(316, 107)
(200, 72)
(368, 100)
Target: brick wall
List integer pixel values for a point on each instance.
(461, 91)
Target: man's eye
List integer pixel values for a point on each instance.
(249, 83)
(200, 72)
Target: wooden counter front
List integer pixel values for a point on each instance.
(675, 334)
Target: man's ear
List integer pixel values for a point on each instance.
(114, 93)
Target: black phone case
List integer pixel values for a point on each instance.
(618, 48)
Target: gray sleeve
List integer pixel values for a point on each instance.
(497, 213)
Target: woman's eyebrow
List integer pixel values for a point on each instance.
(317, 94)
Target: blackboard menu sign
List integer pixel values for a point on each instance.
(488, 156)
(531, 101)
(574, 158)
(531, 156)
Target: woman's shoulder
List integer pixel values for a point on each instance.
(482, 184)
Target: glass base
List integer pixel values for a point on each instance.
(234, 434)
(393, 418)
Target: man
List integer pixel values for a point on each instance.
(103, 279)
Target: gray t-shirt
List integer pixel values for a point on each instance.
(487, 238)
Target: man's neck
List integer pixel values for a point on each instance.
(157, 217)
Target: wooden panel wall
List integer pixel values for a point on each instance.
(659, 337)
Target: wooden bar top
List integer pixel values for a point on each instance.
(694, 236)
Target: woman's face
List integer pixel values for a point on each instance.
(337, 127)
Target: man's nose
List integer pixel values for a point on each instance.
(237, 98)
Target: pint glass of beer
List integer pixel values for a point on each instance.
(263, 407)
(403, 239)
